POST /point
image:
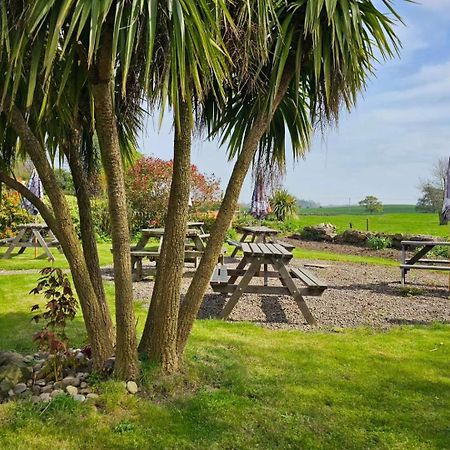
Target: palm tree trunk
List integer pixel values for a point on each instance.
(96, 318)
(72, 152)
(194, 297)
(126, 366)
(159, 339)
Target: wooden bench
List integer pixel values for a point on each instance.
(417, 261)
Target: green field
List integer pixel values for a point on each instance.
(356, 209)
(391, 223)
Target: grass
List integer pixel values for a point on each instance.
(245, 387)
(27, 260)
(413, 223)
(356, 209)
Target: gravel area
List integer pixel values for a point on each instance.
(357, 295)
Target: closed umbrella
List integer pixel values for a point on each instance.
(446, 205)
(260, 207)
(35, 186)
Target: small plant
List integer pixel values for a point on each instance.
(379, 242)
(283, 204)
(61, 306)
(410, 291)
(440, 251)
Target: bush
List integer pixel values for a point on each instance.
(148, 185)
(101, 218)
(283, 204)
(12, 213)
(441, 251)
(379, 242)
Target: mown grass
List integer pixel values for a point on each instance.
(418, 223)
(356, 209)
(246, 387)
(27, 260)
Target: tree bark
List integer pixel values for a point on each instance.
(72, 151)
(96, 319)
(159, 339)
(194, 297)
(126, 365)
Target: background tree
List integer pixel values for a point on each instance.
(371, 204)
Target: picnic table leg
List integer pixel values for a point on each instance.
(298, 298)
(14, 243)
(402, 270)
(53, 238)
(44, 245)
(254, 267)
(242, 263)
(243, 237)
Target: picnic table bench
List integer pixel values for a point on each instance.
(277, 256)
(32, 235)
(417, 261)
(258, 234)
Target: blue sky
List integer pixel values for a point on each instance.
(386, 145)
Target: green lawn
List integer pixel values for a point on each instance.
(27, 259)
(356, 209)
(417, 223)
(244, 387)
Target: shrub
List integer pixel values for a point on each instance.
(101, 218)
(441, 251)
(283, 204)
(379, 242)
(148, 186)
(12, 213)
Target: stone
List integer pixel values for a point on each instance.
(19, 388)
(72, 390)
(79, 398)
(132, 387)
(321, 232)
(92, 396)
(36, 390)
(13, 370)
(41, 382)
(57, 385)
(83, 385)
(35, 399)
(48, 388)
(85, 391)
(56, 392)
(45, 397)
(25, 394)
(28, 359)
(70, 381)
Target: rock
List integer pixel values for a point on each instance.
(132, 387)
(354, 237)
(13, 370)
(28, 359)
(57, 385)
(36, 390)
(25, 394)
(70, 381)
(48, 388)
(19, 388)
(83, 385)
(321, 232)
(35, 399)
(85, 391)
(72, 390)
(92, 396)
(56, 392)
(79, 398)
(40, 383)
(45, 397)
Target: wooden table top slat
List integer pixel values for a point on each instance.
(275, 250)
(260, 230)
(246, 248)
(266, 250)
(255, 249)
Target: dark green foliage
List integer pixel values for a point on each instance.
(432, 198)
(378, 242)
(65, 181)
(371, 204)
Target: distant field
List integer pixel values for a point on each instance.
(356, 209)
(406, 223)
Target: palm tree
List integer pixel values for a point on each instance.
(111, 37)
(319, 61)
(283, 204)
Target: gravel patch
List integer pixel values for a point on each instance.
(357, 295)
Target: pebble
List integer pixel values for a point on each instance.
(28, 359)
(92, 396)
(57, 385)
(70, 381)
(56, 392)
(45, 397)
(35, 399)
(83, 385)
(72, 390)
(19, 388)
(79, 398)
(48, 388)
(41, 382)
(132, 387)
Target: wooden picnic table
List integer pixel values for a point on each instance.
(33, 235)
(417, 261)
(194, 247)
(257, 255)
(257, 234)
